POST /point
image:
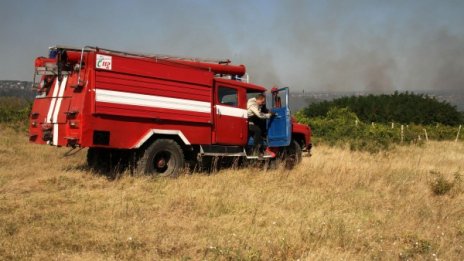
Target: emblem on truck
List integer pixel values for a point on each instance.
(104, 62)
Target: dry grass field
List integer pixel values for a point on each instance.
(407, 203)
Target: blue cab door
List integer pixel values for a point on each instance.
(279, 126)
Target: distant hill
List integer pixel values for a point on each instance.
(298, 100)
(20, 89)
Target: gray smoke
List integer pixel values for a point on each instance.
(350, 45)
(342, 55)
(437, 63)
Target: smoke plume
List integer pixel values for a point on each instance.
(351, 45)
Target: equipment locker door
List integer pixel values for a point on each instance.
(230, 116)
(280, 126)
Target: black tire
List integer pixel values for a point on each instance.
(163, 158)
(292, 155)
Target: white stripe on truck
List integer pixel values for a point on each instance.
(231, 111)
(57, 110)
(160, 131)
(54, 108)
(130, 98)
(52, 102)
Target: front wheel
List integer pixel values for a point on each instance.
(292, 155)
(164, 157)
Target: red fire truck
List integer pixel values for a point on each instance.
(157, 112)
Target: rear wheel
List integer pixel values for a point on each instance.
(164, 157)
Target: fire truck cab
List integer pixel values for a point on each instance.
(154, 112)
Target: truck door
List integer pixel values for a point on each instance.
(230, 115)
(280, 126)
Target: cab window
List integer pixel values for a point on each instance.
(228, 96)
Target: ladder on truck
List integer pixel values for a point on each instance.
(142, 55)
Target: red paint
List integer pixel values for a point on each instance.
(74, 56)
(42, 61)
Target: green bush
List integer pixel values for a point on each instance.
(15, 112)
(403, 108)
(341, 126)
(441, 186)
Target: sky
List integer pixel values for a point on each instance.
(316, 46)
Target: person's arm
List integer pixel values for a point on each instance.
(254, 108)
(264, 109)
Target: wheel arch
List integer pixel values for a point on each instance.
(155, 134)
(300, 138)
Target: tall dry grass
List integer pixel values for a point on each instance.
(337, 204)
